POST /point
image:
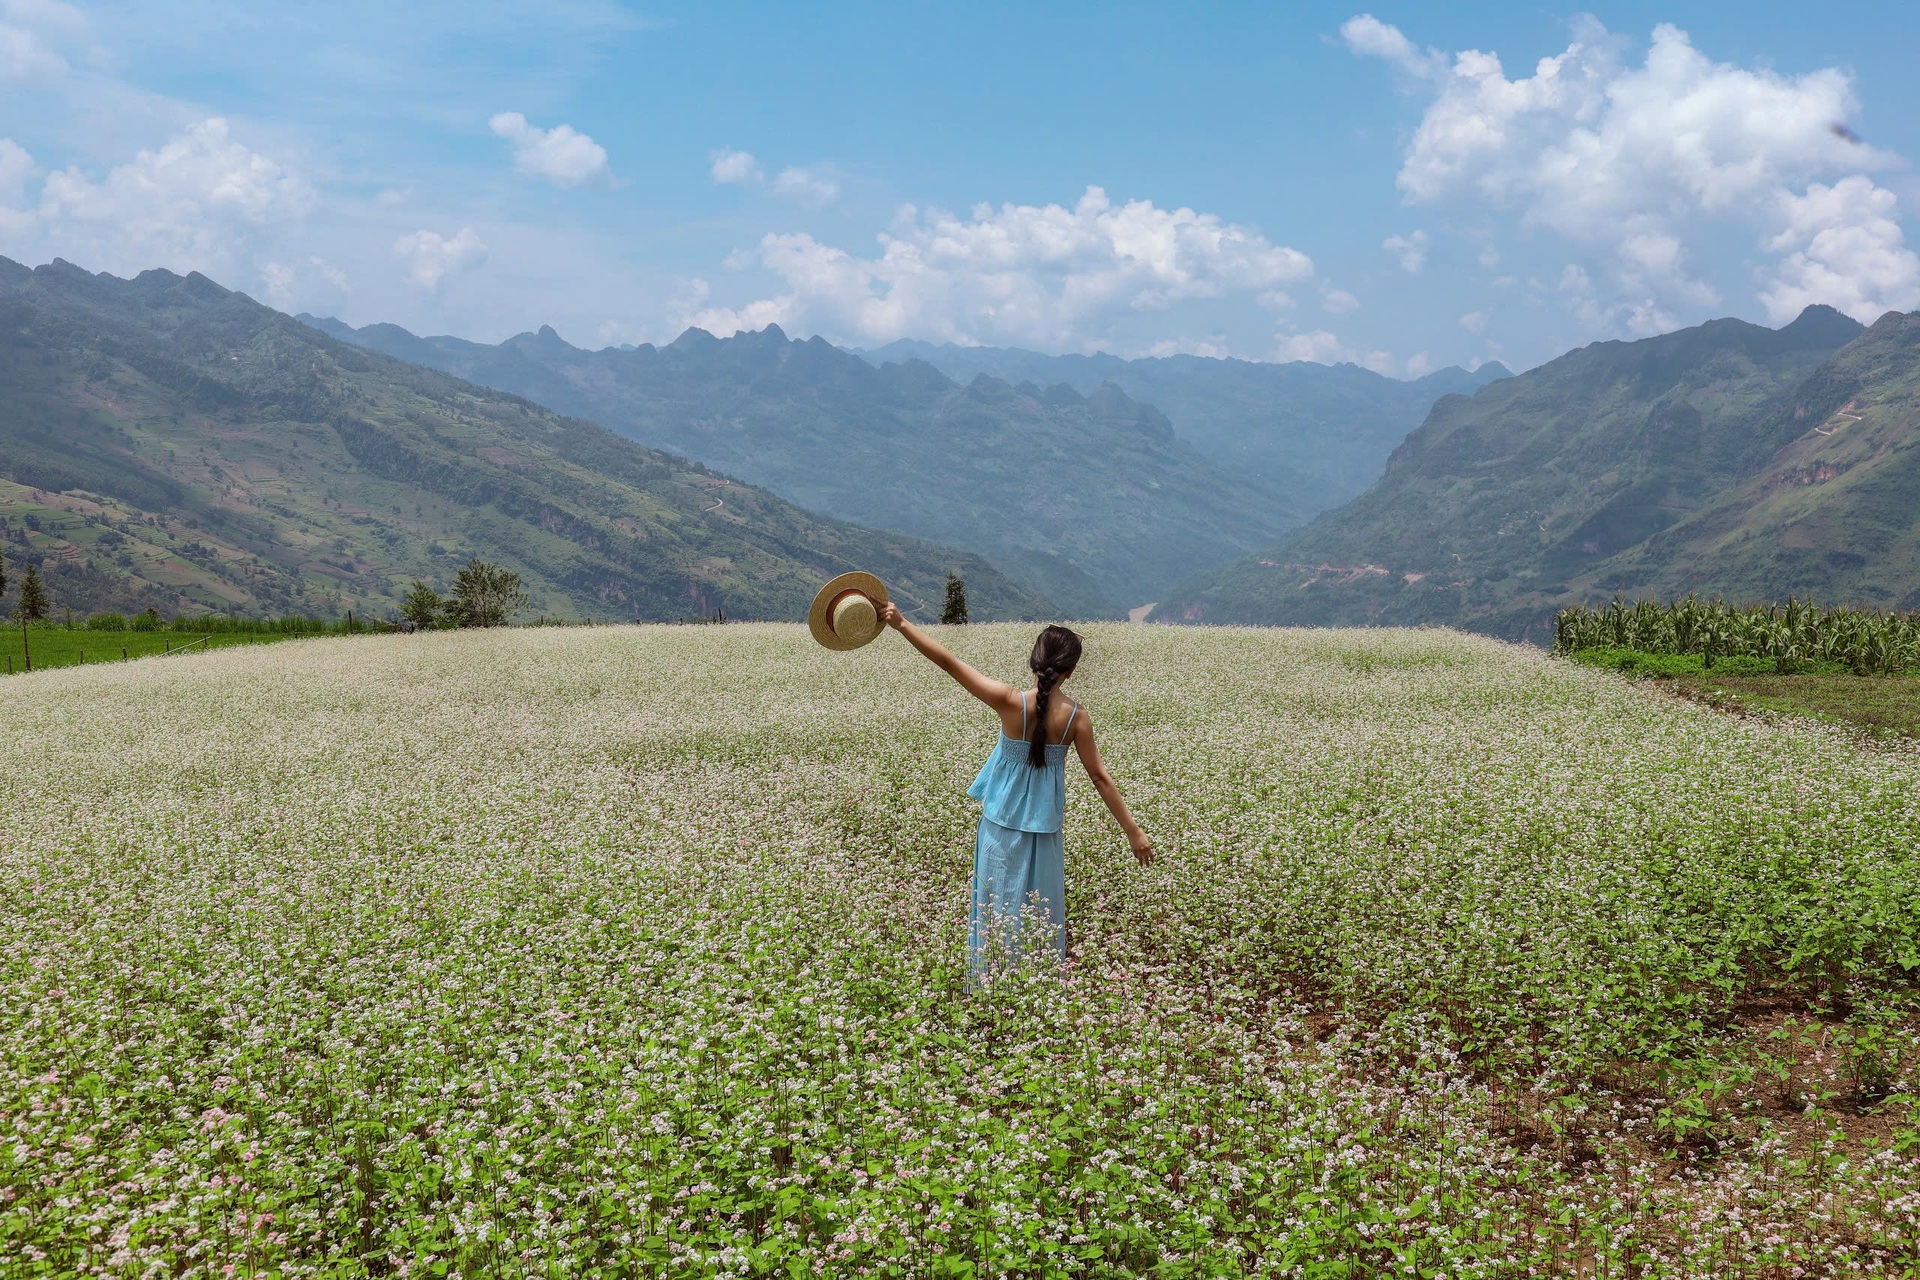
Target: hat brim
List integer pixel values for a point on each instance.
(866, 584)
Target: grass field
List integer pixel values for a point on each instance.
(1880, 706)
(640, 951)
(61, 647)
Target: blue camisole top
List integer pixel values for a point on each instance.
(1013, 793)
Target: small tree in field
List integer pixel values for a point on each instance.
(32, 607)
(955, 610)
(485, 595)
(422, 606)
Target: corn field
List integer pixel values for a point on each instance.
(1868, 641)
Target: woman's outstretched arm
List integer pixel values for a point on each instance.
(994, 693)
(1103, 783)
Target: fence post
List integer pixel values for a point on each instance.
(123, 653)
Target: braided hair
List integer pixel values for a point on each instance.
(1055, 654)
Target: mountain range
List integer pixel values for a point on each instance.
(1726, 459)
(1088, 497)
(170, 443)
(1317, 433)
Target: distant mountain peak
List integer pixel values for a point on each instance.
(1821, 326)
(694, 339)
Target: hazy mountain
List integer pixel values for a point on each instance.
(1557, 485)
(1317, 433)
(169, 442)
(1087, 497)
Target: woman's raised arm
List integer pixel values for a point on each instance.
(996, 694)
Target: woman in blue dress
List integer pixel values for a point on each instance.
(1019, 863)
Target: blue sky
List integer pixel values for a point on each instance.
(1303, 181)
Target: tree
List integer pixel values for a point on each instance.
(956, 607)
(32, 606)
(422, 606)
(485, 595)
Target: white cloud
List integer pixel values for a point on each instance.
(200, 202)
(562, 155)
(315, 282)
(1474, 322)
(1368, 35)
(1410, 251)
(1322, 347)
(1639, 164)
(1419, 365)
(807, 186)
(1842, 247)
(1339, 302)
(28, 31)
(1043, 275)
(1489, 257)
(737, 167)
(16, 170)
(432, 258)
(1214, 348)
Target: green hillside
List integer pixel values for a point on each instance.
(1542, 489)
(1317, 433)
(1090, 498)
(170, 443)
(1834, 512)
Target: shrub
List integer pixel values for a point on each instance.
(107, 622)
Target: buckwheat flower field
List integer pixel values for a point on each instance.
(641, 952)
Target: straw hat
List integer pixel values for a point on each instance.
(846, 613)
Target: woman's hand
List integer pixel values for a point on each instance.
(1142, 847)
(891, 615)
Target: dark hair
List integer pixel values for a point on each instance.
(1055, 654)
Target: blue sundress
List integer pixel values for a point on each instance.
(1019, 859)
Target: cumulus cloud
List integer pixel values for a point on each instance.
(562, 155)
(1841, 246)
(1409, 251)
(735, 167)
(1322, 347)
(1474, 322)
(200, 202)
(1638, 163)
(1044, 275)
(431, 258)
(1339, 302)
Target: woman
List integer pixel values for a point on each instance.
(1018, 858)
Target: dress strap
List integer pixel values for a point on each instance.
(1066, 734)
(1023, 715)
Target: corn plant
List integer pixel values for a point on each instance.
(1867, 641)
